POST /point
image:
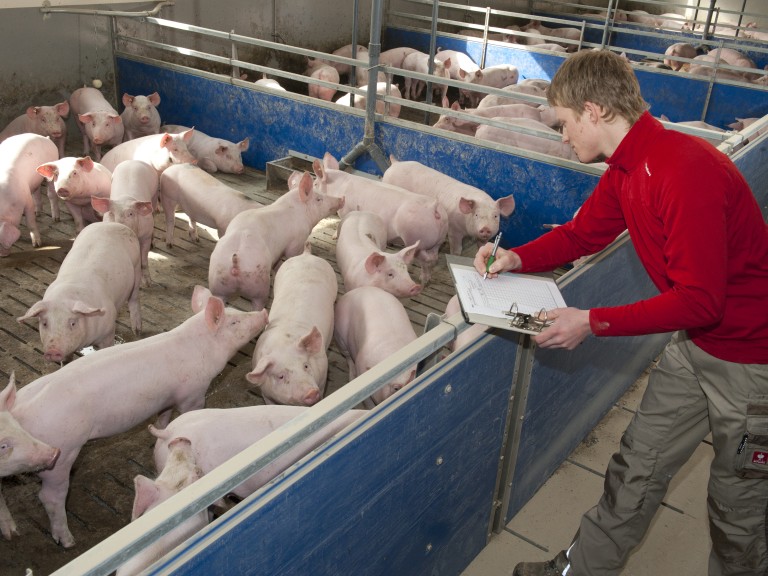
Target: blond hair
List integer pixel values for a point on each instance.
(601, 77)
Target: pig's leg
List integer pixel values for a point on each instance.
(53, 495)
(163, 419)
(170, 223)
(96, 153)
(193, 231)
(29, 213)
(7, 525)
(77, 215)
(144, 245)
(455, 242)
(105, 342)
(134, 309)
(54, 200)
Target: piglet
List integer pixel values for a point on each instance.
(158, 150)
(290, 359)
(535, 143)
(419, 62)
(112, 390)
(202, 197)
(256, 240)
(213, 154)
(43, 120)
(19, 185)
(140, 117)
(471, 211)
(131, 202)
(388, 108)
(362, 260)
(497, 76)
(178, 471)
(79, 309)
(75, 180)
(371, 325)
(319, 70)
(19, 452)
(98, 121)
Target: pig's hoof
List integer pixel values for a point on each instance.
(66, 540)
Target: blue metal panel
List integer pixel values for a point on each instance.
(754, 166)
(407, 491)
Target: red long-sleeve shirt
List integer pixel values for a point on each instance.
(698, 231)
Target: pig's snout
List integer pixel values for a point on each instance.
(54, 355)
(415, 290)
(312, 397)
(63, 193)
(485, 234)
(98, 140)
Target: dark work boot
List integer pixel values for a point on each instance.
(559, 566)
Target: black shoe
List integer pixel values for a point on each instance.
(558, 566)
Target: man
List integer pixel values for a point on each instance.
(702, 239)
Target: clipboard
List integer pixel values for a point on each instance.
(511, 301)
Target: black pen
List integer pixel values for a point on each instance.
(492, 257)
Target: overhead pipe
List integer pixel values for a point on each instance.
(46, 9)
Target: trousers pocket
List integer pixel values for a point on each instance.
(752, 453)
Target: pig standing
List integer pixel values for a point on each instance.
(178, 471)
(362, 260)
(213, 154)
(101, 272)
(410, 217)
(140, 117)
(202, 197)
(43, 120)
(394, 56)
(134, 193)
(381, 107)
(98, 121)
(534, 143)
(19, 185)
(371, 325)
(241, 261)
(319, 70)
(112, 390)
(419, 62)
(157, 150)
(497, 76)
(471, 211)
(290, 359)
(19, 452)
(75, 180)
(218, 434)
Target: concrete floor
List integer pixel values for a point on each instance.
(677, 542)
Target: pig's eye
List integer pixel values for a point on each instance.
(44, 323)
(306, 367)
(72, 323)
(281, 377)
(5, 446)
(391, 274)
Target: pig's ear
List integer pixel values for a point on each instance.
(84, 118)
(506, 205)
(243, 144)
(80, 307)
(154, 99)
(127, 99)
(100, 204)
(373, 261)
(318, 169)
(143, 208)
(409, 252)
(85, 163)
(256, 375)
(214, 313)
(164, 139)
(47, 170)
(330, 162)
(146, 495)
(305, 187)
(62, 109)
(33, 312)
(33, 111)
(200, 296)
(312, 342)
(466, 205)
(187, 134)
(8, 395)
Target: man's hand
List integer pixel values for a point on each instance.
(569, 329)
(505, 261)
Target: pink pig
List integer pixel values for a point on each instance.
(419, 62)
(362, 260)
(213, 154)
(290, 359)
(325, 72)
(381, 106)
(98, 121)
(110, 391)
(241, 261)
(81, 309)
(541, 144)
(19, 185)
(370, 326)
(202, 197)
(471, 211)
(158, 150)
(497, 76)
(543, 114)
(75, 180)
(19, 452)
(131, 202)
(409, 217)
(43, 120)
(140, 117)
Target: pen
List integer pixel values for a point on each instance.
(492, 257)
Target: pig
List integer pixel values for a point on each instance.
(79, 309)
(419, 62)
(471, 211)
(698, 124)
(43, 120)
(566, 33)
(20, 156)
(256, 240)
(112, 390)
(218, 434)
(75, 180)
(742, 123)
(346, 52)
(534, 143)
(497, 76)
(178, 471)
(19, 452)
(543, 114)
(362, 69)
(140, 116)
(157, 150)
(202, 197)
(371, 325)
(394, 56)
(270, 83)
(98, 121)
(213, 154)
(681, 50)
(525, 89)
(459, 65)
(409, 216)
(730, 57)
(325, 72)
(131, 202)
(381, 106)
(290, 359)
(362, 260)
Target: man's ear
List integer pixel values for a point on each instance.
(593, 112)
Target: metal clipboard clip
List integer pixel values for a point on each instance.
(534, 323)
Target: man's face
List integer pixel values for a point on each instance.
(580, 132)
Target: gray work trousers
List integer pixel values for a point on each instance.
(689, 394)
